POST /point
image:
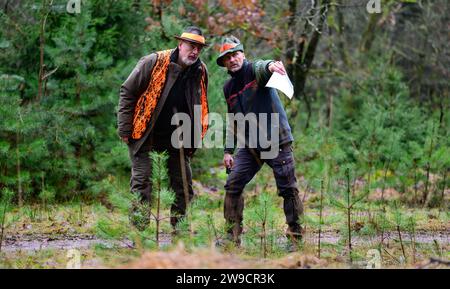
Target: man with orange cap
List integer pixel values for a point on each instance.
(162, 84)
(246, 94)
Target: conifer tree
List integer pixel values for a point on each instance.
(5, 206)
(346, 200)
(163, 198)
(261, 223)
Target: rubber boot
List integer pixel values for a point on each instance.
(234, 232)
(293, 209)
(233, 213)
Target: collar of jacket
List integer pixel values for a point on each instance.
(240, 72)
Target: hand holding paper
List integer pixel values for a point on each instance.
(282, 83)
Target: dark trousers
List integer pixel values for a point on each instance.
(246, 165)
(141, 171)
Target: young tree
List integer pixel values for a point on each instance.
(5, 206)
(347, 203)
(163, 198)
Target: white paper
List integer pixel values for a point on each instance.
(282, 83)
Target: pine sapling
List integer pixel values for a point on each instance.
(398, 216)
(260, 219)
(320, 216)
(47, 196)
(80, 215)
(444, 184)
(349, 213)
(416, 199)
(4, 208)
(347, 206)
(263, 235)
(19, 172)
(412, 234)
(163, 197)
(212, 227)
(428, 165)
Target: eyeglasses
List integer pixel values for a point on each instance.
(192, 46)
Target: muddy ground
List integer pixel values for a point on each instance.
(80, 241)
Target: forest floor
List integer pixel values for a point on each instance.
(43, 239)
(100, 235)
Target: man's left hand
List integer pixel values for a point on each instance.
(277, 66)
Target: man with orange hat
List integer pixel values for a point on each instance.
(161, 85)
(246, 94)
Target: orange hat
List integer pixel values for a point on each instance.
(229, 44)
(192, 34)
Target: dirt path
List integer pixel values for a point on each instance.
(64, 242)
(421, 237)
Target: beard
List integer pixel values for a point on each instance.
(188, 61)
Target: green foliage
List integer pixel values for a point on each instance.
(110, 230)
(263, 228)
(5, 206)
(69, 134)
(47, 197)
(381, 112)
(162, 195)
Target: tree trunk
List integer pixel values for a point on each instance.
(45, 13)
(307, 61)
(369, 35)
(290, 44)
(341, 42)
(305, 57)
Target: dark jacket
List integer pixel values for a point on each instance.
(245, 92)
(137, 83)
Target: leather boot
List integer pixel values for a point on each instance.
(234, 232)
(292, 206)
(233, 213)
(293, 209)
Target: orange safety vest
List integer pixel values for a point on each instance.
(149, 99)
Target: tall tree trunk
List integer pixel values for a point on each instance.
(305, 55)
(158, 10)
(306, 61)
(369, 34)
(341, 41)
(45, 12)
(290, 44)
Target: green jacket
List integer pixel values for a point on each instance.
(246, 92)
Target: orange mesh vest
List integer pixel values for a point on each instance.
(147, 102)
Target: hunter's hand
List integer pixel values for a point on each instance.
(125, 139)
(228, 160)
(277, 66)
